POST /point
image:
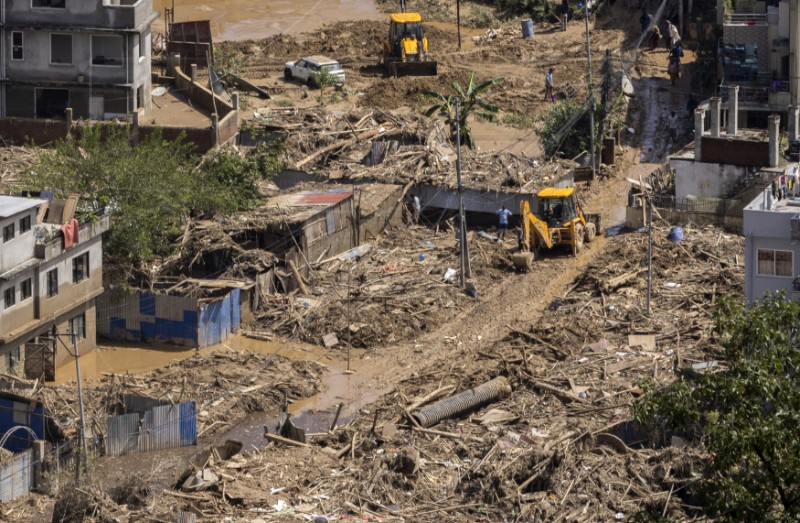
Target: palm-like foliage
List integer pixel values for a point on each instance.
(471, 100)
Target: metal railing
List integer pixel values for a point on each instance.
(746, 18)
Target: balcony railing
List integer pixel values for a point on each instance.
(746, 18)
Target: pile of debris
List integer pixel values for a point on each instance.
(225, 384)
(404, 284)
(559, 447)
(13, 162)
(380, 146)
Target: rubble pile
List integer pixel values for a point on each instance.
(402, 285)
(225, 384)
(13, 162)
(560, 447)
(380, 146)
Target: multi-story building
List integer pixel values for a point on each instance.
(89, 55)
(759, 53)
(48, 285)
(772, 244)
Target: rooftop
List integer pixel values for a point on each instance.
(12, 205)
(298, 207)
(790, 205)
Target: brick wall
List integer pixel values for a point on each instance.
(734, 152)
(21, 131)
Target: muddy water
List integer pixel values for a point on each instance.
(361, 385)
(251, 19)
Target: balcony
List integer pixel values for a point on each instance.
(748, 19)
(107, 15)
(50, 239)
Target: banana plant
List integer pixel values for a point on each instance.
(470, 100)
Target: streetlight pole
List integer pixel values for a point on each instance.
(462, 218)
(649, 201)
(591, 92)
(85, 453)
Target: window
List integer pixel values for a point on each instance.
(142, 39)
(48, 4)
(16, 45)
(61, 49)
(8, 232)
(9, 297)
(80, 268)
(77, 325)
(13, 360)
(25, 224)
(26, 290)
(775, 263)
(52, 283)
(107, 50)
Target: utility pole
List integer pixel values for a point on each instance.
(458, 22)
(649, 201)
(591, 93)
(85, 451)
(462, 218)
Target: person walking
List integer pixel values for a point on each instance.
(672, 122)
(416, 209)
(502, 227)
(672, 32)
(548, 86)
(646, 19)
(563, 14)
(654, 38)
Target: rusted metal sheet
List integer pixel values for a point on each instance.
(16, 476)
(162, 427)
(192, 40)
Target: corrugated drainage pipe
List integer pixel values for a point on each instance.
(463, 402)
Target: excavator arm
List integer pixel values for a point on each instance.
(534, 231)
(533, 225)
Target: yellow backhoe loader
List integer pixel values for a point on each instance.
(405, 51)
(559, 220)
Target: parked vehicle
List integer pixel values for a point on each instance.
(309, 70)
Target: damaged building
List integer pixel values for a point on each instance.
(92, 56)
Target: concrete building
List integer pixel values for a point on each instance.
(759, 53)
(89, 55)
(46, 283)
(726, 165)
(772, 243)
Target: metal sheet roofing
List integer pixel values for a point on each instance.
(11, 205)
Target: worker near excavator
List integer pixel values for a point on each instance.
(502, 227)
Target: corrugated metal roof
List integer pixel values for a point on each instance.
(11, 205)
(309, 199)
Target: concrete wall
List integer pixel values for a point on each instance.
(22, 312)
(200, 94)
(767, 230)
(20, 249)
(61, 322)
(713, 180)
(21, 131)
(127, 14)
(70, 293)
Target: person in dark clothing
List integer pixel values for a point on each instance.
(563, 14)
(646, 19)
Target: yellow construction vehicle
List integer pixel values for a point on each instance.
(405, 51)
(558, 220)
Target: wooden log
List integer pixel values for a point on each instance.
(298, 277)
(338, 145)
(286, 441)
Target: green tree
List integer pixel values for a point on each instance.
(564, 129)
(147, 188)
(747, 417)
(471, 99)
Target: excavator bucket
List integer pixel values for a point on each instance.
(413, 69)
(523, 261)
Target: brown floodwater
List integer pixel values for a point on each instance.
(250, 19)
